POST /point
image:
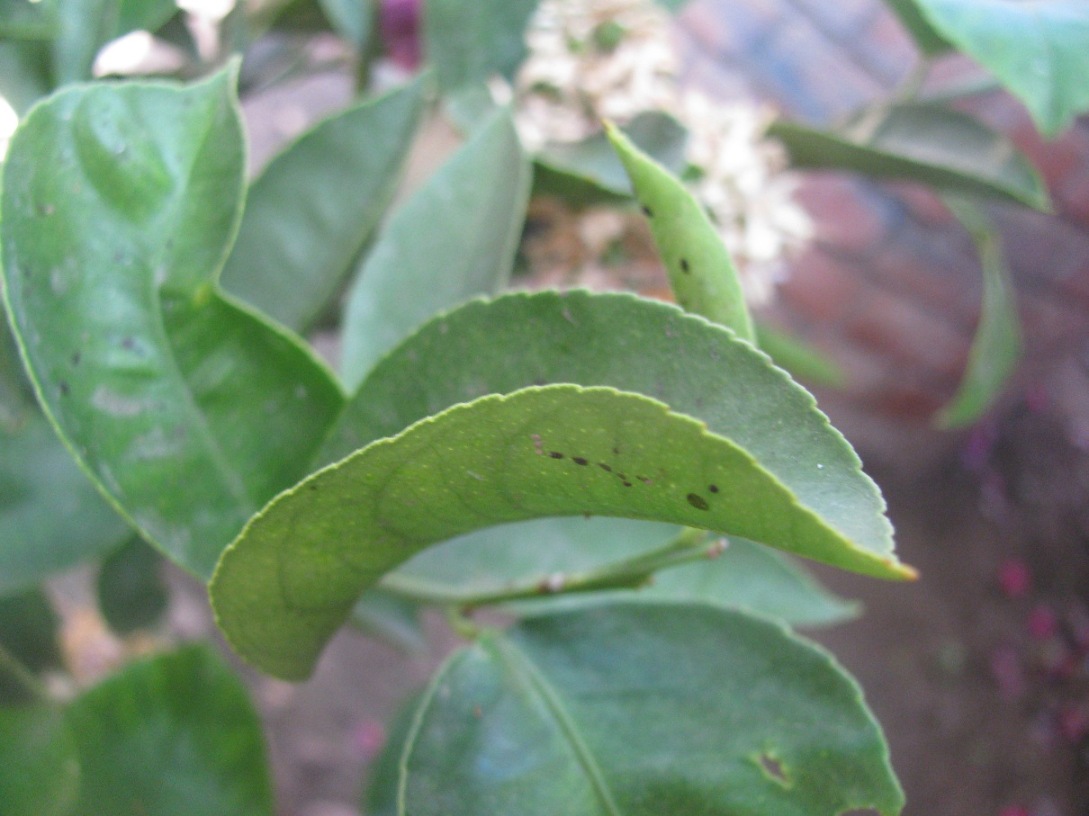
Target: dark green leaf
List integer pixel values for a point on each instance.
(590, 171)
(997, 344)
(470, 42)
(453, 239)
(51, 516)
(25, 73)
(920, 142)
(928, 40)
(172, 736)
(801, 360)
(701, 272)
(190, 411)
(310, 212)
(1039, 50)
(643, 710)
(353, 19)
(39, 769)
(745, 576)
(28, 634)
(87, 25)
(28, 19)
(131, 591)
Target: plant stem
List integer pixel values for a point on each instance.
(913, 82)
(14, 668)
(627, 573)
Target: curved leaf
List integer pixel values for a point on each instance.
(39, 769)
(1039, 50)
(700, 269)
(172, 736)
(51, 516)
(928, 40)
(641, 710)
(455, 238)
(922, 142)
(470, 42)
(312, 209)
(119, 205)
(745, 576)
(997, 344)
(290, 580)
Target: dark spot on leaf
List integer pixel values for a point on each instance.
(64, 389)
(46, 209)
(698, 501)
(128, 343)
(556, 455)
(647, 211)
(313, 486)
(684, 265)
(616, 451)
(773, 769)
(605, 467)
(626, 484)
(578, 460)
(622, 476)
(713, 488)
(76, 357)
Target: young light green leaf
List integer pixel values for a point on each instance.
(700, 269)
(922, 142)
(470, 42)
(453, 239)
(1038, 50)
(132, 593)
(39, 769)
(173, 735)
(642, 710)
(590, 171)
(314, 206)
(290, 580)
(744, 576)
(997, 344)
(51, 516)
(119, 205)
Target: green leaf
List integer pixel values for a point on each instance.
(700, 269)
(291, 578)
(39, 769)
(453, 239)
(308, 215)
(25, 73)
(1038, 50)
(87, 25)
(801, 360)
(119, 205)
(997, 344)
(28, 19)
(28, 634)
(745, 576)
(642, 710)
(51, 516)
(353, 19)
(921, 142)
(16, 394)
(927, 39)
(470, 42)
(172, 736)
(390, 618)
(131, 591)
(590, 171)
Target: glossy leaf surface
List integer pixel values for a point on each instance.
(470, 42)
(997, 344)
(641, 710)
(745, 576)
(453, 239)
(314, 206)
(920, 142)
(1039, 50)
(119, 206)
(293, 575)
(172, 736)
(51, 516)
(701, 272)
(39, 769)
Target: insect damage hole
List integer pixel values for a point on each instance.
(773, 768)
(684, 265)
